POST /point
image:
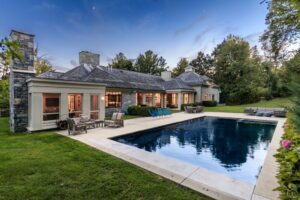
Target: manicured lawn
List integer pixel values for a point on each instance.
(49, 166)
(278, 102)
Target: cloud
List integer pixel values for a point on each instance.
(201, 34)
(60, 68)
(190, 26)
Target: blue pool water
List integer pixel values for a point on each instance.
(236, 148)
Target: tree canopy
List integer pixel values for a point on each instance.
(150, 63)
(181, 65)
(41, 64)
(203, 64)
(235, 71)
(121, 62)
(283, 28)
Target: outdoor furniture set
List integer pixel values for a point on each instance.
(84, 122)
(266, 112)
(192, 109)
(159, 112)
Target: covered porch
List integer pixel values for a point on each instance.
(175, 98)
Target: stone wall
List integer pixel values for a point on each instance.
(128, 99)
(21, 70)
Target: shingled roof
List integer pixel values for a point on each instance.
(118, 78)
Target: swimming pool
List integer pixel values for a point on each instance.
(233, 147)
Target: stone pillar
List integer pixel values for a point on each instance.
(21, 70)
(102, 106)
(64, 106)
(86, 104)
(180, 100)
(143, 98)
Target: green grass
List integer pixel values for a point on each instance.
(278, 102)
(45, 165)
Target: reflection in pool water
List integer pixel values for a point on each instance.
(233, 147)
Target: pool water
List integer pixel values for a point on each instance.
(233, 147)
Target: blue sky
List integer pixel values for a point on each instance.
(171, 28)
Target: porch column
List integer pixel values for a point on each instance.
(153, 99)
(64, 107)
(36, 111)
(86, 107)
(143, 98)
(180, 100)
(102, 106)
(162, 100)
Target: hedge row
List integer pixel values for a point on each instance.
(139, 110)
(288, 158)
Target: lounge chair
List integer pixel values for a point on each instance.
(75, 126)
(116, 120)
(199, 109)
(280, 112)
(250, 111)
(87, 121)
(190, 109)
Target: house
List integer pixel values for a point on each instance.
(37, 102)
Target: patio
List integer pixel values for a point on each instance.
(185, 174)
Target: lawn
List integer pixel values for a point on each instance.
(278, 102)
(45, 165)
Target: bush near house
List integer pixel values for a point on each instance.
(288, 157)
(209, 103)
(139, 110)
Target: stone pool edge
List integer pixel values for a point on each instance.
(212, 184)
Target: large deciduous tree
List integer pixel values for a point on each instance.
(180, 68)
(121, 62)
(283, 28)
(150, 63)
(236, 71)
(203, 64)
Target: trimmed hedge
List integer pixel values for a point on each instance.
(138, 110)
(209, 103)
(190, 104)
(289, 164)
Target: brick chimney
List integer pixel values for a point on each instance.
(89, 58)
(20, 70)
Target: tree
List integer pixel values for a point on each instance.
(236, 71)
(151, 63)
(180, 68)
(41, 64)
(283, 28)
(203, 64)
(121, 62)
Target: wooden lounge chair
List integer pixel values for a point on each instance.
(87, 121)
(116, 120)
(74, 126)
(199, 109)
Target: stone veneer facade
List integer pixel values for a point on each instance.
(21, 70)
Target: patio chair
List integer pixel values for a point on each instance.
(199, 109)
(280, 112)
(87, 121)
(250, 111)
(116, 120)
(74, 126)
(189, 109)
(153, 113)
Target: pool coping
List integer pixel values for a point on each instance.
(213, 184)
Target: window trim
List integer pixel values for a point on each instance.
(51, 113)
(118, 94)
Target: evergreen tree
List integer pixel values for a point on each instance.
(203, 64)
(180, 68)
(121, 62)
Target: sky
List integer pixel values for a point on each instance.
(171, 28)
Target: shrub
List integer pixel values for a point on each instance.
(209, 103)
(139, 110)
(289, 165)
(190, 104)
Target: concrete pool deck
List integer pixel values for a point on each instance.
(216, 185)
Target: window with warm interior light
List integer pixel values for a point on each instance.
(75, 105)
(51, 106)
(113, 99)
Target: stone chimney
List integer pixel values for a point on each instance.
(89, 58)
(20, 70)
(189, 69)
(166, 75)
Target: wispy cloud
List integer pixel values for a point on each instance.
(202, 33)
(45, 6)
(190, 26)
